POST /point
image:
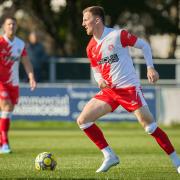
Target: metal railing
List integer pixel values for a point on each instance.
(176, 62)
(137, 63)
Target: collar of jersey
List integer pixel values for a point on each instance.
(104, 34)
(8, 40)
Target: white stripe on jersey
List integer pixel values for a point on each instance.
(121, 72)
(17, 47)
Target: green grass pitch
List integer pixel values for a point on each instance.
(78, 158)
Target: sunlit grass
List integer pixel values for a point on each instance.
(78, 158)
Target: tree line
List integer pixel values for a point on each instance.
(63, 25)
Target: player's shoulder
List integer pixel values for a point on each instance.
(2, 38)
(122, 30)
(116, 32)
(19, 41)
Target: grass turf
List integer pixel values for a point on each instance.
(78, 158)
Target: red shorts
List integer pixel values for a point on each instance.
(9, 92)
(130, 98)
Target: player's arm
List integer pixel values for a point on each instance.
(152, 74)
(99, 79)
(29, 71)
(128, 39)
(97, 75)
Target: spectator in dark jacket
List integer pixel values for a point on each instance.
(37, 55)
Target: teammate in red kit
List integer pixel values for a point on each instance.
(116, 77)
(12, 49)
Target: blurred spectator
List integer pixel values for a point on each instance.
(37, 55)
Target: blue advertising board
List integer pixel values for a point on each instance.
(65, 103)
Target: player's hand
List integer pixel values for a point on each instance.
(102, 84)
(152, 75)
(32, 83)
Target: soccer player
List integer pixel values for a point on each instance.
(116, 77)
(12, 49)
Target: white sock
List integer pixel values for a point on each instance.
(107, 151)
(175, 159)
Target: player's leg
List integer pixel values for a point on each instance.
(0, 132)
(146, 119)
(6, 113)
(93, 110)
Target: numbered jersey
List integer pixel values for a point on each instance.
(10, 54)
(110, 57)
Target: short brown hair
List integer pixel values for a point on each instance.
(96, 10)
(8, 17)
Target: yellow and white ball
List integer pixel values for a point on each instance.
(45, 161)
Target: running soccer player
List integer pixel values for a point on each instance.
(12, 49)
(116, 77)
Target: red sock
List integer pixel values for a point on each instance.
(4, 127)
(96, 135)
(163, 140)
(0, 140)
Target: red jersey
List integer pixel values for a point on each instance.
(110, 57)
(10, 54)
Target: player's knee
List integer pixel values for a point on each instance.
(86, 125)
(83, 124)
(151, 128)
(80, 120)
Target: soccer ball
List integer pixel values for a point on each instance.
(45, 161)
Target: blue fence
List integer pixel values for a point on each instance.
(65, 103)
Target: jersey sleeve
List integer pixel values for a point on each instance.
(97, 74)
(24, 52)
(127, 39)
(145, 47)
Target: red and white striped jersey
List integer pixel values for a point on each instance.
(10, 54)
(110, 57)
